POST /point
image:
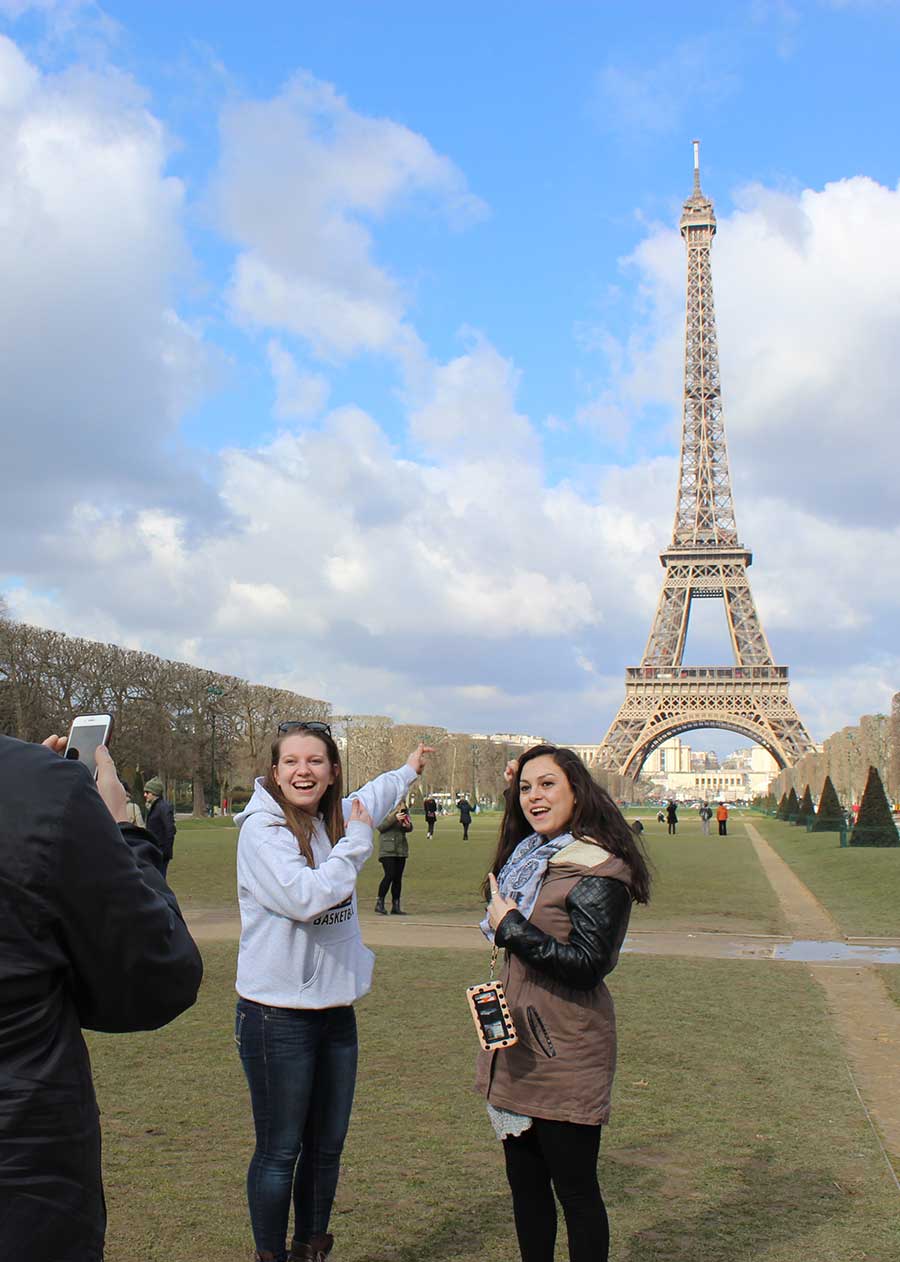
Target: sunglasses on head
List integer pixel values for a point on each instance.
(305, 725)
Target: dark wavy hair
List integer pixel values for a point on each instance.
(596, 819)
(301, 823)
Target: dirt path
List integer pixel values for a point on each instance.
(865, 1017)
(460, 932)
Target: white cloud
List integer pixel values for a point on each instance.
(96, 367)
(298, 394)
(301, 177)
(470, 407)
(357, 574)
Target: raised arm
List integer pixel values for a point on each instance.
(383, 793)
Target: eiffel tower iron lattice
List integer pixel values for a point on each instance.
(705, 560)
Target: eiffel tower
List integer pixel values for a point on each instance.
(705, 561)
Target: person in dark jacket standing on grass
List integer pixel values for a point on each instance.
(672, 818)
(91, 937)
(429, 806)
(160, 820)
(465, 816)
(393, 851)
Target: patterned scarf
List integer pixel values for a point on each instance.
(523, 872)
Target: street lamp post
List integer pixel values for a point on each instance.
(213, 693)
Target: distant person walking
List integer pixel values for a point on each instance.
(672, 818)
(393, 851)
(160, 820)
(429, 806)
(660, 817)
(722, 817)
(465, 816)
(705, 817)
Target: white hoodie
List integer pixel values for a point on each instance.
(300, 940)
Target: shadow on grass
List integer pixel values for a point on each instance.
(771, 1206)
(464, 1232)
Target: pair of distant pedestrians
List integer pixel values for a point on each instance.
(721, 818)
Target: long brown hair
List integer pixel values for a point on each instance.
(596, 819)
(301, 823)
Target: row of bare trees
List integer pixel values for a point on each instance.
(846, 757)
(200, 731)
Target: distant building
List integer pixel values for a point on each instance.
(679, 773)
(587, 753)
(515, 738)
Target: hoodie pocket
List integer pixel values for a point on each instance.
(313, 968)
(539, 1032)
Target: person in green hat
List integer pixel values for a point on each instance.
(160, 819)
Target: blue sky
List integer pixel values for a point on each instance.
(343, 341)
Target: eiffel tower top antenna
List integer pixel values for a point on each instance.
(696, 166)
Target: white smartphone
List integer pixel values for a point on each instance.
(88, 732)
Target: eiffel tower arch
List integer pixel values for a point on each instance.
(705, 561)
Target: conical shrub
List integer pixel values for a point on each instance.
(781, 813)
(791, 806)
(830, 815)
(806, 808)
(874, 825)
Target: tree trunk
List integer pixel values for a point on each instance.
(199, 798)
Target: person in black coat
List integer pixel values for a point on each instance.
(429, 806)
(160, 820)
(91, 937)
(672, 817)
(465, 816)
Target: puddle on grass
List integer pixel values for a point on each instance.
(835, 952)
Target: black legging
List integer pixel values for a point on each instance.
(673, 824)
(393, 877)
(560, 1156)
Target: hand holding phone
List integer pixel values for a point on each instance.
(102, 767)
(87, 733)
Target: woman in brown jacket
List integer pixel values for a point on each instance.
(565, 874)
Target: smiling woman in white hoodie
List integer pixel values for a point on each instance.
(301, 966)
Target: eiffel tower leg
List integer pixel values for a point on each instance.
(665, 644)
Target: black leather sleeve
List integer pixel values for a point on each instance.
(599, 908)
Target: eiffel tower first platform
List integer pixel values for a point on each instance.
(705, 561)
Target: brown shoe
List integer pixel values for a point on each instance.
(316, 1250)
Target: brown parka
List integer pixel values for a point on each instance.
(563, 1064)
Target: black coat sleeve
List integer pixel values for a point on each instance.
(170, 827)
(134, 965)
(598, 908)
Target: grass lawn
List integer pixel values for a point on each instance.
(735, 1136)
(860, 886)
(701, 882)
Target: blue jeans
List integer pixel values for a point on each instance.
(301, 1068)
